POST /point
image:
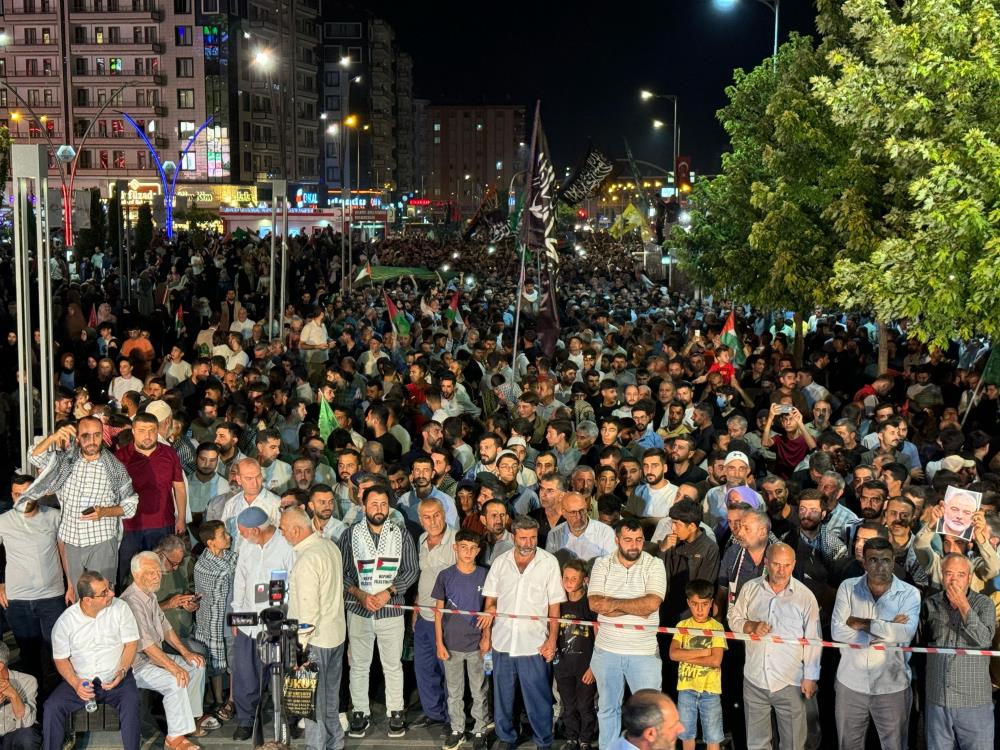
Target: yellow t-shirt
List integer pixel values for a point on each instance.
(695, 677)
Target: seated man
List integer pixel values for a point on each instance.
(96, 638)
(179, 679)
(19, 693)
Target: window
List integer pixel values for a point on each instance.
(185, 129)
(46, 36)
(183, 36)
(331, 78)
(115, 64)
(140, 159)
(99, 64)
(185, 67)
(102, 128)
(81, 66)
(354, 53)
(31, 36)
(47, 67)
(102, 97)
(247, 162)
(103, 159)
(33, 96)
(437, 127)
(152, 97)
(185, 98)
(331, 151)
(137, 34)
(86, 160)
(114, 35)
(99, 35)
(210, 6)
(31, 67)
(82, 98)
(246, 132)
(189, 162)
(46, 97)
(119, 159)
(437, 140)
(342, 30)
(182, 6)
(332, 103)
(331, 174)
(117, 128)
(3, 99)
(140, 98)
(80, 35)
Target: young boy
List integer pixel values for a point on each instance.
(699, 677)
(462, 640)
(213, 584)
(575, 680)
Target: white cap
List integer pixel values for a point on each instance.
(737, 456)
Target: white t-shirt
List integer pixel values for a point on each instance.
(94, 645)
(610, 578)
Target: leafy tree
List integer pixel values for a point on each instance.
(917, 81)
(143, 229)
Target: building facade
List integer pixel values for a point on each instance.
(473, 148)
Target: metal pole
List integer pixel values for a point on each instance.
(270, 296)
(284, 249)
(517, 315)
(280, 189)
(676, 143)
(30, 163)
(345, 189)
(45, 327)
(777, 9)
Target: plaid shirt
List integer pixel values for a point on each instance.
(958, 681)
(213, 579)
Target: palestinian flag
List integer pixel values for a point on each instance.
(452, 312)
(179, 320)
(730, 339)
(92, 320)
(365, 273)
(400, 325)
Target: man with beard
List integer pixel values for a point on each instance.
(432, 436)
(626, 588)
(871, 500)
(683, 469)
(320, 505)
(347, 467)
(158, 478)
(377, 422)
(839, 516)
(551, 491)
(277, 473)
(737, 471)
(875, 608)
(579, 536)
(227, 437)
(251, 495)
(650, 502)
(775, 492)
(95, 493)
(380, 564)
(303, 473)
(890, 438)
(525, 580)
(443, 481)
(489, 449)
(496, 539)
(673, 424)
(422, 484)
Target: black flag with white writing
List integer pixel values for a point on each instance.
(538, 218)
(587, 180)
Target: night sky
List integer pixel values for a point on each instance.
(587, 61)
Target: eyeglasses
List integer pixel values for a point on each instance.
(171, 564)
(109, 591)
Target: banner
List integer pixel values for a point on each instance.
(377, 274)
(489, 222)
(586, 181)
(634, 168)
(538, 219)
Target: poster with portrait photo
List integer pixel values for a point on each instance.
(958, 507)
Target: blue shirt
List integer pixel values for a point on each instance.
(460, 590)
(409, 505)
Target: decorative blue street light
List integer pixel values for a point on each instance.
(168, 170)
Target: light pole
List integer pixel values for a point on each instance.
(645, 95)
(773, 5)
(348, 121)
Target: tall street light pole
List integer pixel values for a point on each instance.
(645, 96)
(773, 5)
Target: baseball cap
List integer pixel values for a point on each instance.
(956, 463)
(737, 456)
(159, 409)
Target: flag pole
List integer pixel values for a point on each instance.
(517, 314)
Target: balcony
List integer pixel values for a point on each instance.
(32, 13)
(160, 79)
(121, 13)
(90, 46)
(38, 47)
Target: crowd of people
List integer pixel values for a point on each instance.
(649, 471)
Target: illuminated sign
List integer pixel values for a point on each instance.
(304, 199)
(420, 201)
(203, 196)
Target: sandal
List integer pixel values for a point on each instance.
(227, 712)
(180, 743)
(206, 724)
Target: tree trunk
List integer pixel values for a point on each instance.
(799, 345)
(883, 346)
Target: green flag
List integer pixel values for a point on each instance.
(991, 373)
(327, 422)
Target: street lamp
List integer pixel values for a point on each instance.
(645, 95)
(775, 7)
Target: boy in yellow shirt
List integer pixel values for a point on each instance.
(699, 674)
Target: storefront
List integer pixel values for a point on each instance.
(300, 220)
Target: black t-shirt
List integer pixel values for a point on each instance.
(390, 447)
(576, 642)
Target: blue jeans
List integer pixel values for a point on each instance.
(690, 705)
(31, 622)
(963, 728)
(611, 671)
(430, 674)
(532, 672)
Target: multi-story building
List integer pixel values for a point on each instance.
(473, 148)
(71, 70)
(367, 99)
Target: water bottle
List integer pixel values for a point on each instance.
(91, 704)
(488, 663)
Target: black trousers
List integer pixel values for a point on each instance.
(578, 713)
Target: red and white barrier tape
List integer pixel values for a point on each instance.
(719, 633)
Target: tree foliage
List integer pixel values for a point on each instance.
(919, 83)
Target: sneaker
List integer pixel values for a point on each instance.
(397, 727)
(479, 741)
(425, 722)
(453, 741)
(359, 725)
